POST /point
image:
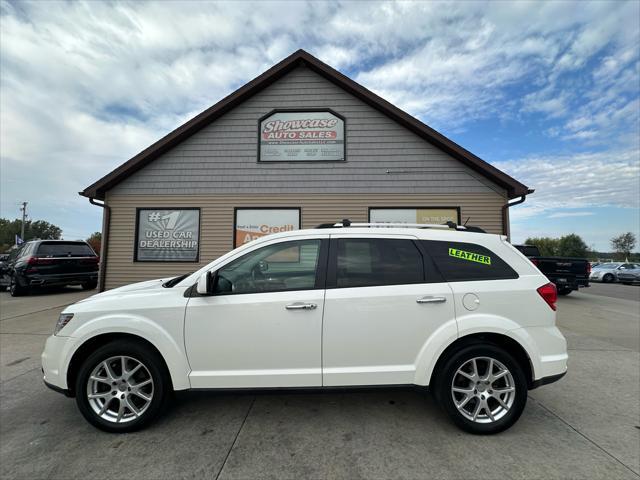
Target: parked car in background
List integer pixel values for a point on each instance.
(629, 275)
(568, 273)
(41, 263)
(5, 279)
(608, 272)
(463, 313)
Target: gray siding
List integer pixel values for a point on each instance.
(222, 157)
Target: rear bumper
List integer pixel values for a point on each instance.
(574, 283)
(546, 380)
(547, 351)
(35, 279)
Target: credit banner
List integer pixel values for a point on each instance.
(168, 235)
(301, 136)
(256, 223)
(436, 216)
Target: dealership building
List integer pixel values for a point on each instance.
(298, 146)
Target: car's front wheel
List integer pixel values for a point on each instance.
(122, 386)
(608, 278)
(482, 388)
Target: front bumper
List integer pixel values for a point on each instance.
(54, 372)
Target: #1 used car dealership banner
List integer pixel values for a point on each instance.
(301, 136)
(256, 223)
(167, 235)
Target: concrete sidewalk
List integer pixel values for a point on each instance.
(585, 426)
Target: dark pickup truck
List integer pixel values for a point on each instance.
(567, 273)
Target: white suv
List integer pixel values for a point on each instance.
(463, 313)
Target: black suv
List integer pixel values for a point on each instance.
(52, 263)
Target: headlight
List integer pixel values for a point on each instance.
(62, 321)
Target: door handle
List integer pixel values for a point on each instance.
(301, 306)
(430, 299)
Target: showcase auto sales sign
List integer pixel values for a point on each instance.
(301, 136)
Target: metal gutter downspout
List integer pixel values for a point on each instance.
(505, 218)
(106, 221)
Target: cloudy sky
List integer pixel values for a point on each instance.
(547, 91)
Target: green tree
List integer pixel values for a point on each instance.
(623, 244)
(95, 240)
(572, 246)
(548, 247)
(32, 230)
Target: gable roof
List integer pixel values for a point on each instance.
(297, 59)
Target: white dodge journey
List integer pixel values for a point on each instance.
(460, 312)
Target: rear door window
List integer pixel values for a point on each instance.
(367, 262)
(463, 262)
(65, 249)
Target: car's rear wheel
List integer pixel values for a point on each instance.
(122, 387)
(564, 291)
(608, 278)
(482, 388)
(89, 285)
(15, 289)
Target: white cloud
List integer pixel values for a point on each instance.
(571, 214)
(605, 179)
(86, 85)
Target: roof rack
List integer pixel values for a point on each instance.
(446, 226)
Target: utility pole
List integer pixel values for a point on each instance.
(23, 209)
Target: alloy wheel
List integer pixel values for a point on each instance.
(483, 390)
(120, 389)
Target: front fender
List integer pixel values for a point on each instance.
(172, 352)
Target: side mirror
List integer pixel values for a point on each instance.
(205, 284)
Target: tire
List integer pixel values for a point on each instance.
(150, 399)
(480, 401)
(564, 291)
(15, 289)
(89, 285)
(608, 278)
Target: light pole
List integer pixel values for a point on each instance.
(23, 209)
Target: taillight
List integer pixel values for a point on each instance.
(549, 294)
(39, 261)
(588, 268)
(535, 261)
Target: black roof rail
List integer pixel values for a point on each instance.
(345, 222)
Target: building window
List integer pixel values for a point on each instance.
(433, 215)
(252, 223)
(167, 235)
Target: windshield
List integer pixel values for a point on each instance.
(606, 266)
(175, 280)
(65, 249)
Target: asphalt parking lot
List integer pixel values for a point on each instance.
(585, 426)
